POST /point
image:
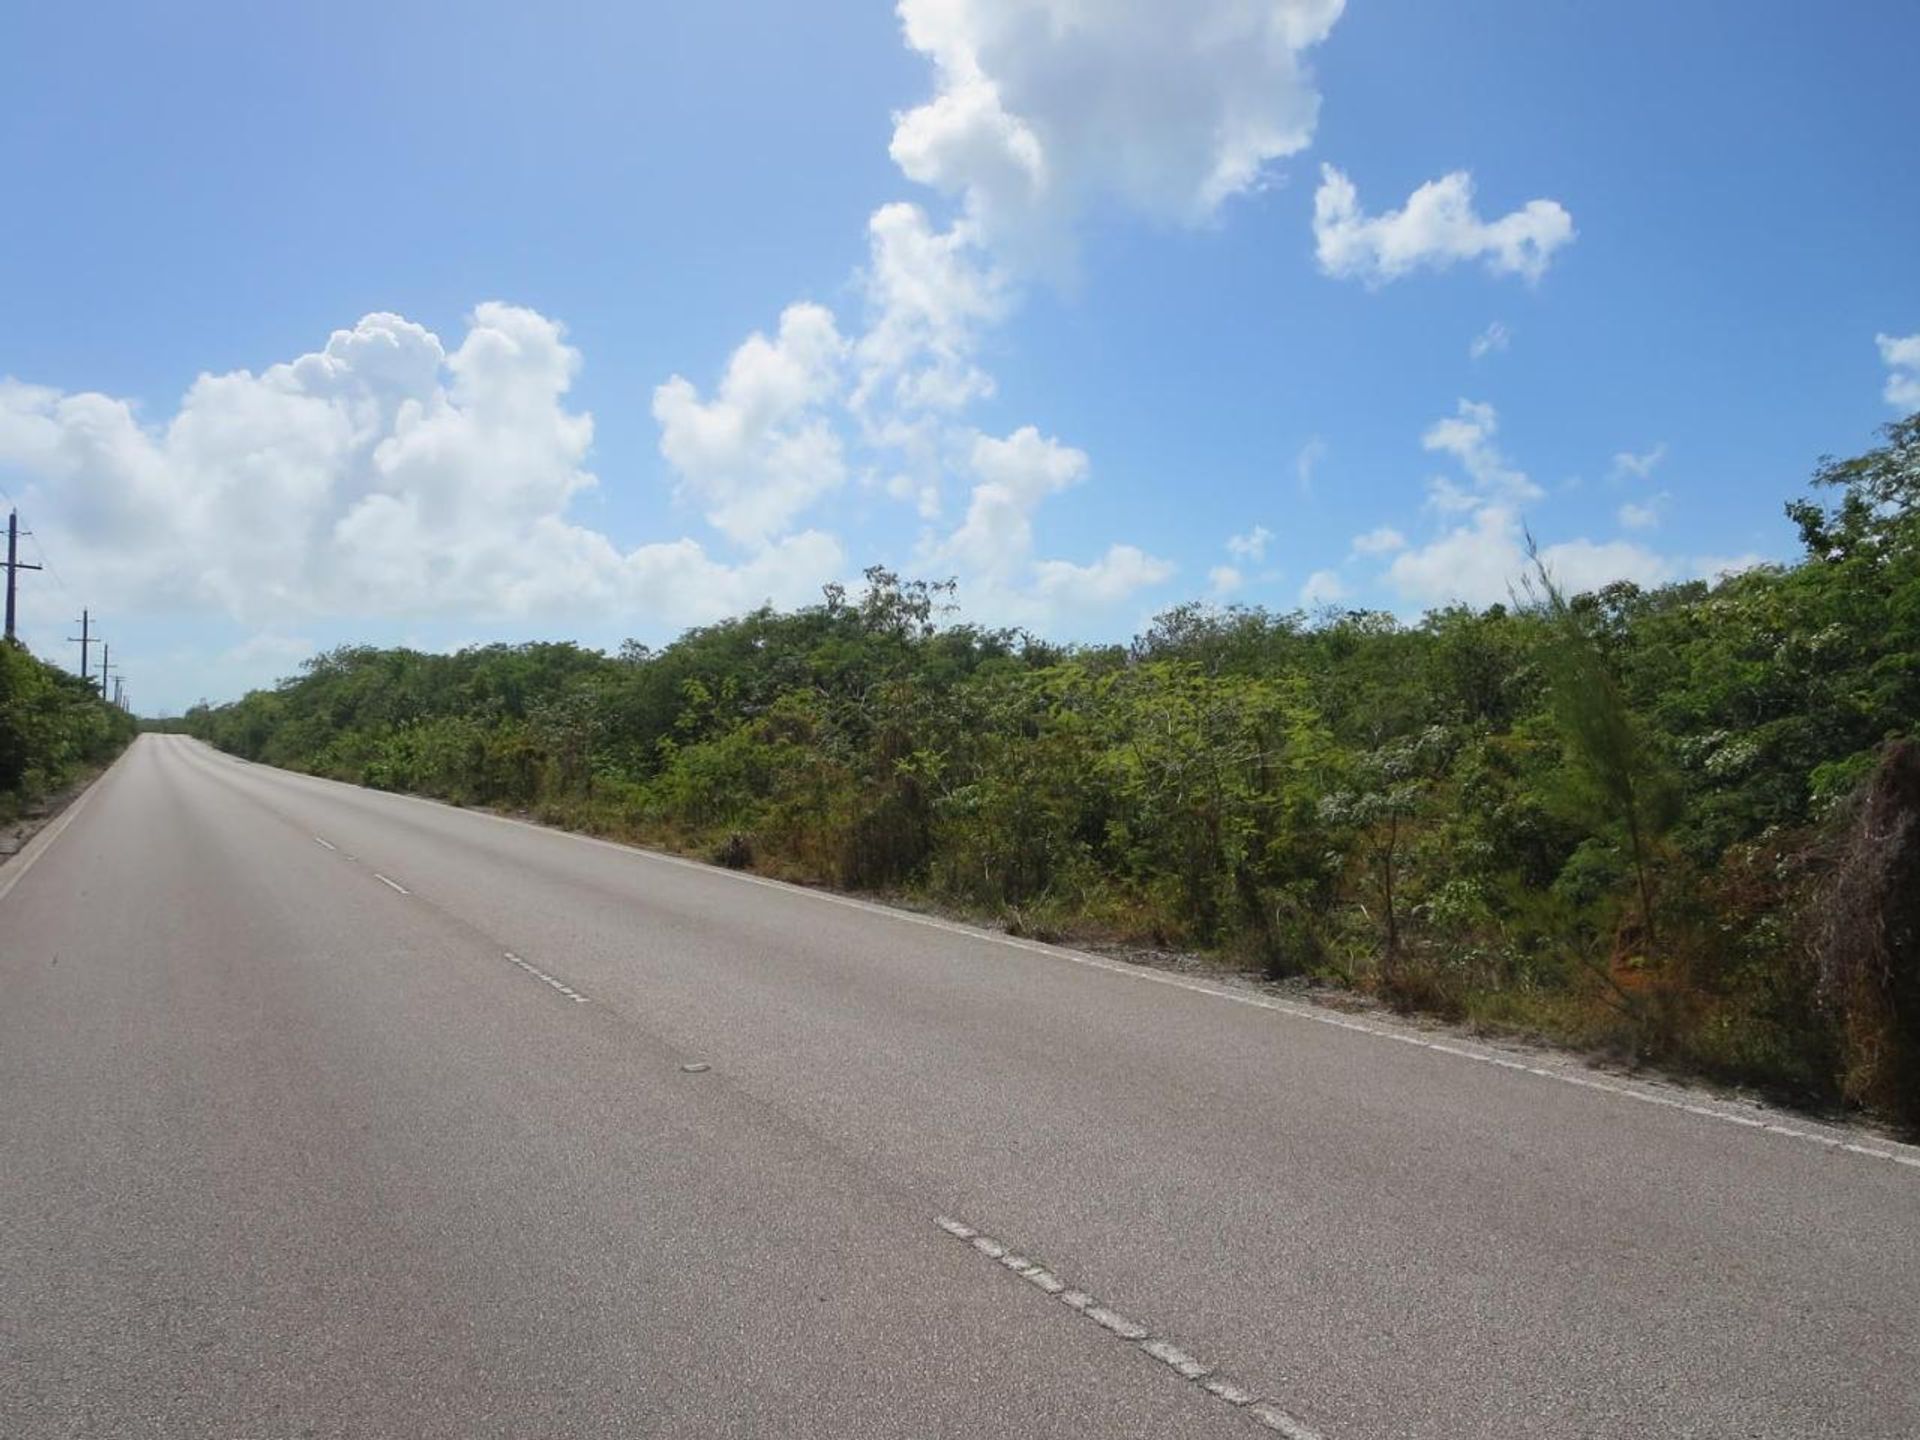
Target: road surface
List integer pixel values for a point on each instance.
(332, 1113)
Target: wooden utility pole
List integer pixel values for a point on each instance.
(105, 655)
(84, 639)
(14, 564)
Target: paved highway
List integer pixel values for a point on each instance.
(332, 1113)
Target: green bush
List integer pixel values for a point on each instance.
(1576, 817)
(52, 727)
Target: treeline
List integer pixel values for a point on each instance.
(53, 727)
(1627, 819)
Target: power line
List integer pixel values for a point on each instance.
(47, 564)
(14, 563)
(84, 640)
(39, 549)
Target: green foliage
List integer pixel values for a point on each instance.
(52, 726)
(1385, 792)
(1582, 816)
(1612, 777)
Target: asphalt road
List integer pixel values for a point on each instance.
(289, 1146)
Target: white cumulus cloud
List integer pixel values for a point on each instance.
(930, 293)
(1013, 476)
(1645, 516)
(1040, 109)
(1436, 228)
(1901, 355)
(762, 449)
(1382, 540)
(1495, 337)
(1323, 587)
(994, 546)
(1480, 555)
(1628, 464)
(1307, 462)
(381, 475)
(1483, 560)
(1044, 107)
(1067, 590)
(1250, 546)
(1467, 435)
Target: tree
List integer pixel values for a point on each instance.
(1613, 774)
(1879, 508)
(1383, 794)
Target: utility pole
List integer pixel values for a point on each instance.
(105, 655)
(84, 640)
(119, 691)
(14, 563)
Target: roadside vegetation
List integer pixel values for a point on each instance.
(53, 728)
(1682, 824)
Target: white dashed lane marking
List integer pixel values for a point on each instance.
(1889, 1151)
(542, 976)
(1892, 1151)
(1267, 1412)
(512, 959)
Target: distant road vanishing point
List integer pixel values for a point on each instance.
(335, 1113)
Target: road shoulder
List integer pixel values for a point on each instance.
(24, 840)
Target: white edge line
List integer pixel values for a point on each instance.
(15, 870)
(1897, 1152)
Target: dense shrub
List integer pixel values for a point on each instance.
(1599, 817)
(52, 726)
(1866, 933)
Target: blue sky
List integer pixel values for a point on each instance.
(1099, 336)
